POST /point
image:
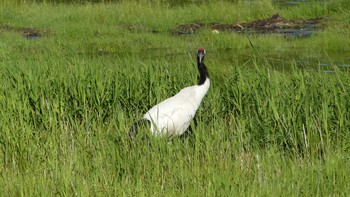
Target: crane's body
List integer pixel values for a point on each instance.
(173, 115)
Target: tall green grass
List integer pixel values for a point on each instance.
(67, 100)
(65, 131)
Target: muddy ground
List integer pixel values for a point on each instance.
(274, 24)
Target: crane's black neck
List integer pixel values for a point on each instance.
(203, 73)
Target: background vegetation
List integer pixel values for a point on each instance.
(276, 121)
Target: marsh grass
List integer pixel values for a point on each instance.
(68, 99)
(69, 128)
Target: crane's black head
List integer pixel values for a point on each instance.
(200, 55)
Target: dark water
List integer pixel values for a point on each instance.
(33, 37)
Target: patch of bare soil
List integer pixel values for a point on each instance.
(274, 24)
(29, 33)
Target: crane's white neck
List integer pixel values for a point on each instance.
(202, 89)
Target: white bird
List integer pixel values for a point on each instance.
(173, 115)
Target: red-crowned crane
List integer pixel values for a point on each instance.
(173, 115)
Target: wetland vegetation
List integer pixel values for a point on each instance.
(75, 76)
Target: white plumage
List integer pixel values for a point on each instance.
(173, 115)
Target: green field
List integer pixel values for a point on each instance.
(269, 125)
